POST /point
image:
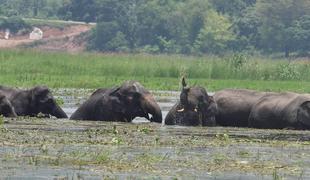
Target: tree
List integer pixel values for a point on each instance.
(232, 7)
(215, 35)
(300, 34)
(108, 37)
(79, 10)
(246, 30)
(14, 24)
(277, 17)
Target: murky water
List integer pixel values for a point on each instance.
(66, 149)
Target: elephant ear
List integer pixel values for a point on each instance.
(39, 91)
(115, 92)
(117, 105)
(303, 113)
(115, 97)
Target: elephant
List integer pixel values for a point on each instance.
(6, 108)
(234, 106)
(122, 104)
(33, 101)
(195, 108)
(281, 110)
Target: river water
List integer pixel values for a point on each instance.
(33, 148)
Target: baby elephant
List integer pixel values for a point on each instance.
(281, 110)
(194, 108)
(6, 108)
(33, 101)
(122, 104)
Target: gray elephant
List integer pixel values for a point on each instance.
(6, 108)
(281, 110)
(234, 106)
(122, 103)
(33, 101)
(195, 108)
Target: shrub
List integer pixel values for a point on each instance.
(288, 71)
(14, 24)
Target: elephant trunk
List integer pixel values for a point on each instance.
(58, 112)
(150, 106)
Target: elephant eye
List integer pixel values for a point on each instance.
(50, 100)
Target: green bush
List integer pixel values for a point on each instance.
(107, 37)
(14, 24)
(288, 71)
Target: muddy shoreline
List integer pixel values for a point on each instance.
(33, 148)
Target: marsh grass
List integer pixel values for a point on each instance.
(25, 68)
(1, 121)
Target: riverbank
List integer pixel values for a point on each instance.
(26, 68)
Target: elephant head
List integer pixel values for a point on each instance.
(6, 109)
(122, 103)
(194, 108)
(303, 115)
(42, 101)
(139, 101)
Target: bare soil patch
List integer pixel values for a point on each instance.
(57, 39)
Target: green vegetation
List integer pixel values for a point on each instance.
(158, 72)
(195, 26)
(14, 24)
(182, 27)
(31, 8)
(44, 22)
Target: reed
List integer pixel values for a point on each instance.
(25, 68)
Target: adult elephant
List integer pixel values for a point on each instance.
(122, 103)
(6, 108)
(194, 108)
(33, 101)
(281, 110)
(234, 106)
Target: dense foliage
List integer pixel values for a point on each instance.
(182, 26)
(14, 24)
(31, 8)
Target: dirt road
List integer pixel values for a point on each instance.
(53, 38)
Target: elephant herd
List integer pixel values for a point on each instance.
(228, 107)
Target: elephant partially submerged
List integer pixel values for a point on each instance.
(33, 101)
(6, 108)
(122, 104)
(195, 108)
(234, 106)
(281, 110)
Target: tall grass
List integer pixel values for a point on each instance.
(89, 70)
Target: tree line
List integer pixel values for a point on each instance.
(182, 26)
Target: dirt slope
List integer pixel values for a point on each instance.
(68, 39)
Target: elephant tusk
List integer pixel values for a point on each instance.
(181, 110)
